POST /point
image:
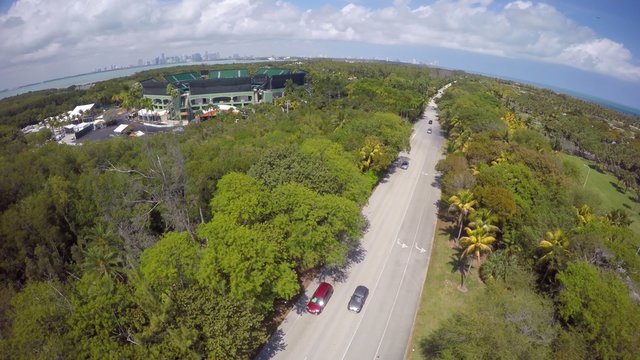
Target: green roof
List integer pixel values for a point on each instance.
(272, 72)
(227, 74)
(183, 77)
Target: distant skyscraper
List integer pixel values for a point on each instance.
(162, 59)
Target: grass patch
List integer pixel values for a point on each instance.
(441, 297)
(612, 196)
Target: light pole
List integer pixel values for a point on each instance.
(587, 178)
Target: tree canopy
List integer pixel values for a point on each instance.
(181, 245)
(581, 259)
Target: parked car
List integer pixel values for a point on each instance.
(320, 298)
(429, 131)
(358, 298)
(404, 165)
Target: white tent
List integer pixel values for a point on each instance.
(153, 114)
(80, 109)
(224, 107)
(120, 128)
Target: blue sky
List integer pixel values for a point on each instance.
(587, 46)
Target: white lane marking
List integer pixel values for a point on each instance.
(373, 290)
(404, 272)
(402, 245)
(421, 250)
(384, 266)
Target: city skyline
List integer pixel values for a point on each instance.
(584, 46)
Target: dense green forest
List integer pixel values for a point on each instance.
(562, 273)
(187, 245)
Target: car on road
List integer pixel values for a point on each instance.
(320, 298)
(429, 131)
(358, 298)
(430, 122)
(404, 165)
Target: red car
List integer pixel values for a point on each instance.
(320, 298)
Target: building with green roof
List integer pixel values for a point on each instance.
(271, 72)
(223, 87)
(228, 74)
(183, 77)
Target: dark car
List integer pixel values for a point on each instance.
(429, 131)
(404, 165)
(358, 298)
(320, 298)
(430, 121)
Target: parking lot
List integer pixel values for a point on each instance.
(108, 132)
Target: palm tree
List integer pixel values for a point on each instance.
(483, 218)
(502, 158)
(477, 242)
(146, 103)
(584, 214)
(370, 154)
(554, 250)
(100, 256)
(463, 203)
(174, 102)
(103, 261)
(99, 235)
(119, 97)
(619, 217)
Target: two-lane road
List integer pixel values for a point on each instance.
(396, 250)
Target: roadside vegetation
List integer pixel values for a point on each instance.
(555, 250)
(188, 245)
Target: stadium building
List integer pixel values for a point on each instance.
(200, 92)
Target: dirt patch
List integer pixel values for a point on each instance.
(442, 227)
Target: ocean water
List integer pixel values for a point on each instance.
(104, 75)
(606, 103)
(113, 74)
(590, 98)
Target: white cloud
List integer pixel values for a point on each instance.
(33, 31)
(601, 55)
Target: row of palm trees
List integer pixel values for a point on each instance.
(481, 233)
(553, 250)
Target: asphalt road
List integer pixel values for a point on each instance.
(392, 262)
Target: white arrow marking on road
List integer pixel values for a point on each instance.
(420, 249)
(402, 245)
